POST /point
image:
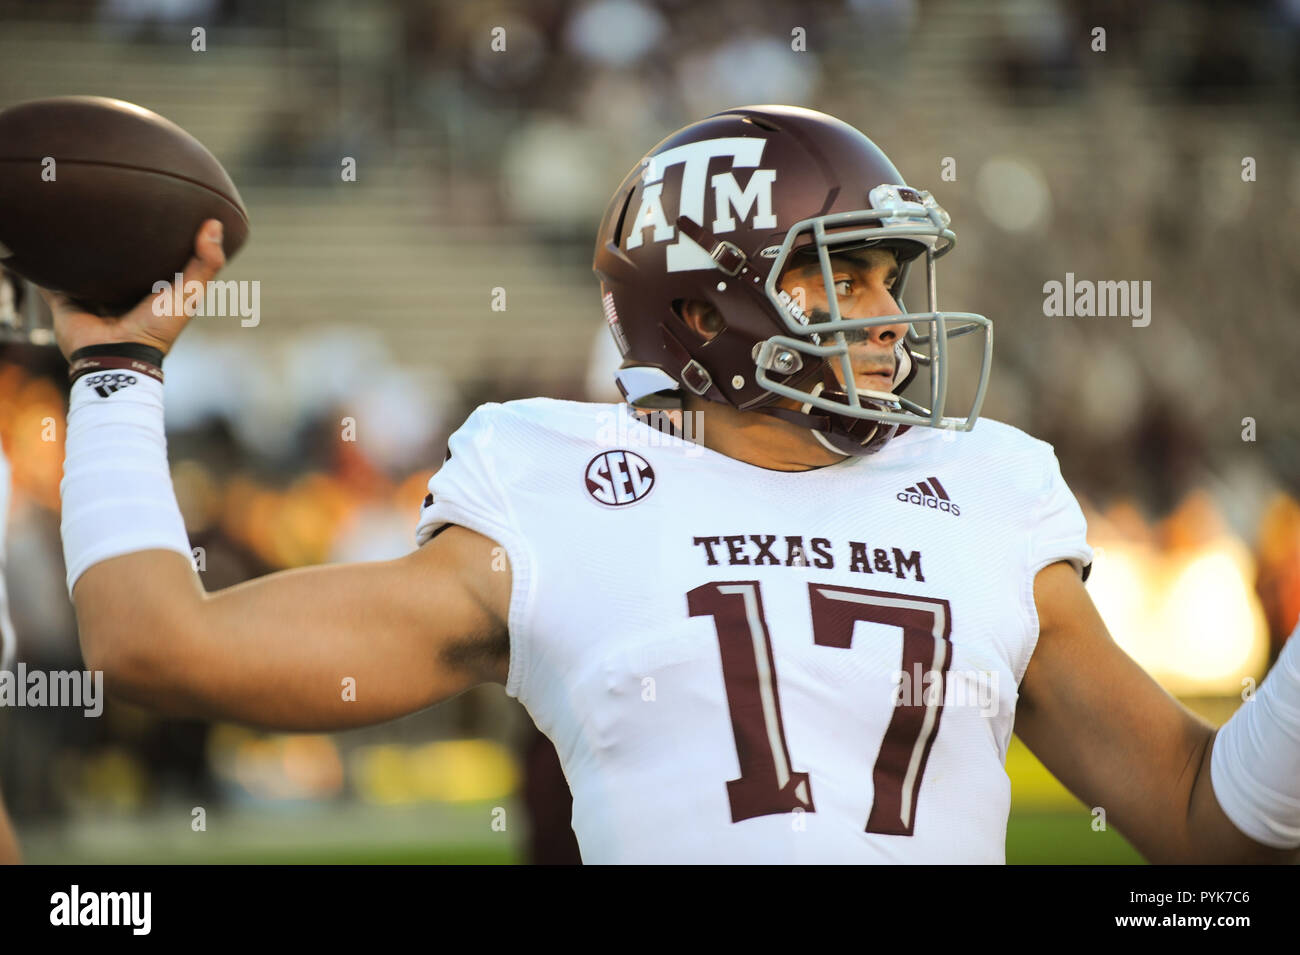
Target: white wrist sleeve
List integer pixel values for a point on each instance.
(117, 489)
(1255, 764)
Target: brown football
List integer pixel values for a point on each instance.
(100, 199)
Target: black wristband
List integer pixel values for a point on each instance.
(134, 350)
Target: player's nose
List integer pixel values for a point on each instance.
(882, 304)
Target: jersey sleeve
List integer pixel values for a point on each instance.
(471, 489)
(1059, 530)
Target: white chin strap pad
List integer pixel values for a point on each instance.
(903, 365)
(807, 408)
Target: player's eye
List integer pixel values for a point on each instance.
(844, 288)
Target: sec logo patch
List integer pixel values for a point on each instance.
(615, 478)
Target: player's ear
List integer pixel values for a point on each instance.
(701, 318)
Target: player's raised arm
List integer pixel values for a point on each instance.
(317, 648)
(1177, 789)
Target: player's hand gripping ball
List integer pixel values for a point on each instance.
(100, 199)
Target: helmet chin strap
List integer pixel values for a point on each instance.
(822, 423)
(817, 390)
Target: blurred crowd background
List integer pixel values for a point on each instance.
(481, 177)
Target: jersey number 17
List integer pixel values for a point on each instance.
(768, 784)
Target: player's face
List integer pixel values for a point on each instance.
(862, 280)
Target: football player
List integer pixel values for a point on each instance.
(805, 635)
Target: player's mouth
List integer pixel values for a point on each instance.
(871, 369)
(878, 374)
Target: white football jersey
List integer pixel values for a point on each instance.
(742, 665)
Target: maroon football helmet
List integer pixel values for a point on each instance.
(714, 213)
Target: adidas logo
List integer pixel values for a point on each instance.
(108, 383)
(929, 493)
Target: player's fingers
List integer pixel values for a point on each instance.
(209, 256)
(208, 259)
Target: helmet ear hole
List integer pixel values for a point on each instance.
(700, 317)
(618, 226)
